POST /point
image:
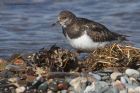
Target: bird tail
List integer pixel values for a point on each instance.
(123, 38)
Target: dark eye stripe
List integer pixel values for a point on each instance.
(64, 17)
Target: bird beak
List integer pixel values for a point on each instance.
(54, 24)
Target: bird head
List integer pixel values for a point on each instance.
(66, 18)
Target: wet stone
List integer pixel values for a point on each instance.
(6, 74)
(43, 86)
(132, 73)
(53, 86)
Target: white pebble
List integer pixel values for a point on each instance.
(125, 80)
(137, 89)
(20, 89)
(123, 91)
(114, 75)
(90, 89)
(132, 73)
(96, 76)
(78, 84)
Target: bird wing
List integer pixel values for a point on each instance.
(99, 33)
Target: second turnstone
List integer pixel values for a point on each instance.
(85, 34)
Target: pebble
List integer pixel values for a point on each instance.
(137, 89)
(6, 74)
(53, 86)
(133, 81)
(12, 67)
(20, 89)
(114, 75)
(96, 76)
(43, 86)
(90, 88)
(64, 91)
(78, 84)
(125, 80)
(118, 85)
(132, 73)
(101, 86)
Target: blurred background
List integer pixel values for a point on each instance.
(26, 25)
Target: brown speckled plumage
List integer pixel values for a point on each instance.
(74, 27)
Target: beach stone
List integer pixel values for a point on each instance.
(49, 91)
(79, 84)
(6, 74)
(20, 89)
(13, 67)
(123, 91)
(98, 87)
(101, 86)
(53, 86)
(13, 80)
(118, 85)
(96, 76)
(114, 75)
(90, 88)
(137, 89)
(133, 81)
(125, 80)
(104, 78)
(62, 84)
(132, 73)
(64, 91)
(110, 90)
(43, 86)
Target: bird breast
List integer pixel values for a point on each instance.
(84, 42)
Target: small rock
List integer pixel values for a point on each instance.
(64, 91)
(124, 91)
(12, 67)
(111, 90)
(96, 76)
(114, 75)
(6, 74)
(133, 81)
(132, 73)
(79, 84)
(137, 89)
(90, 88)
(125, 80)
(20, 89)
(101, 86)
(62, 86)
(37, 82)
(43, 86)
(13, 80)
(118, 85)
(49, 91)
(53, 86)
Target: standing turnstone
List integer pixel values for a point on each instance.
(86, 34)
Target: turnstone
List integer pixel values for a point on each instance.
(85, 34)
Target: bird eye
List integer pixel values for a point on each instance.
(64, 17)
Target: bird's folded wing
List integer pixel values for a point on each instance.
(99, 33)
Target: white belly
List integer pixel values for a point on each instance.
(85, 42)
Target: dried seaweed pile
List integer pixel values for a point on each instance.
(63, 60)
(56, 59)
(113, 56)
